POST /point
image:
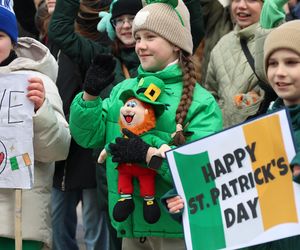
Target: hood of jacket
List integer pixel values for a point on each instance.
(32, 55)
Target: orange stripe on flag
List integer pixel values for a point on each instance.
(276, 197)
(26, 159)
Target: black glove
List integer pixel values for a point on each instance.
(100, 74)
(129, 150)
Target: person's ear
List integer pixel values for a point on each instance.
(14, 46)
(146, 111)
(176, 49)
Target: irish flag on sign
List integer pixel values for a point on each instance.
(237, 185)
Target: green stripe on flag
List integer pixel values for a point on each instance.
(207, 233)
(14, 163)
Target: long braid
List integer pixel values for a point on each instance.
(189, 82)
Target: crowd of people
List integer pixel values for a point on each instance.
(212, 64)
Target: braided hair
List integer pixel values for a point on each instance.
(189, 83)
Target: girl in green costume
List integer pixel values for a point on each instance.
(164, 46)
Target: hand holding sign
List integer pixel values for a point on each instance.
(296, 173)
(175, 204)
(36, 92)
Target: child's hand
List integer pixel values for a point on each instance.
(102, 157)
(296, 170)
(296, 173)
(36, 92)
(175, 204)
(100, 74)
(164, 148)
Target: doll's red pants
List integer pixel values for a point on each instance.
(145, 176)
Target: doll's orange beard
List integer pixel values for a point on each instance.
(147, 124)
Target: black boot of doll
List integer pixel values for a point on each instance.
(151, 210)
(123, 209)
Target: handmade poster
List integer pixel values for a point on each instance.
(16, 133)
(237, 185)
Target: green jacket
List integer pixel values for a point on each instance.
(94, 123)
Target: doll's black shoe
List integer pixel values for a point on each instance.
(151, 211)
(123, 209)
(296, 178)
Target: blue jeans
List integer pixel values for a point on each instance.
(64, 220)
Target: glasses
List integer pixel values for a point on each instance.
(120, 21)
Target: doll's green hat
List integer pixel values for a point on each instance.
(148, 90)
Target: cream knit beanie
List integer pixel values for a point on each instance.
(286, 36)
(171, 23)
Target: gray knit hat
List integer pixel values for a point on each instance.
(286, 36)
(171, 23)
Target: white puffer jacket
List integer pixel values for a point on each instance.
(51, 143)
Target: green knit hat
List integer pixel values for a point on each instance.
(286, 36)
(148, 90)
(162, 18)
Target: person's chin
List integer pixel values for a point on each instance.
(128, 42)
(149, 68)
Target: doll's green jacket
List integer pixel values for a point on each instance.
(95, 123)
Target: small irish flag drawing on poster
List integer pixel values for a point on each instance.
(22, 160)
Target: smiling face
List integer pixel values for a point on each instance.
(123, 26)
(154, 52)
(246, 12)
(283, 70)
(133, 113)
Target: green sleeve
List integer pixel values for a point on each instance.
(153, 140)
(171, 193)
(86, 124)
(88, 119)
(272, 13)
(62, 33)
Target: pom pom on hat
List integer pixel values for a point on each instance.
(8, 21)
